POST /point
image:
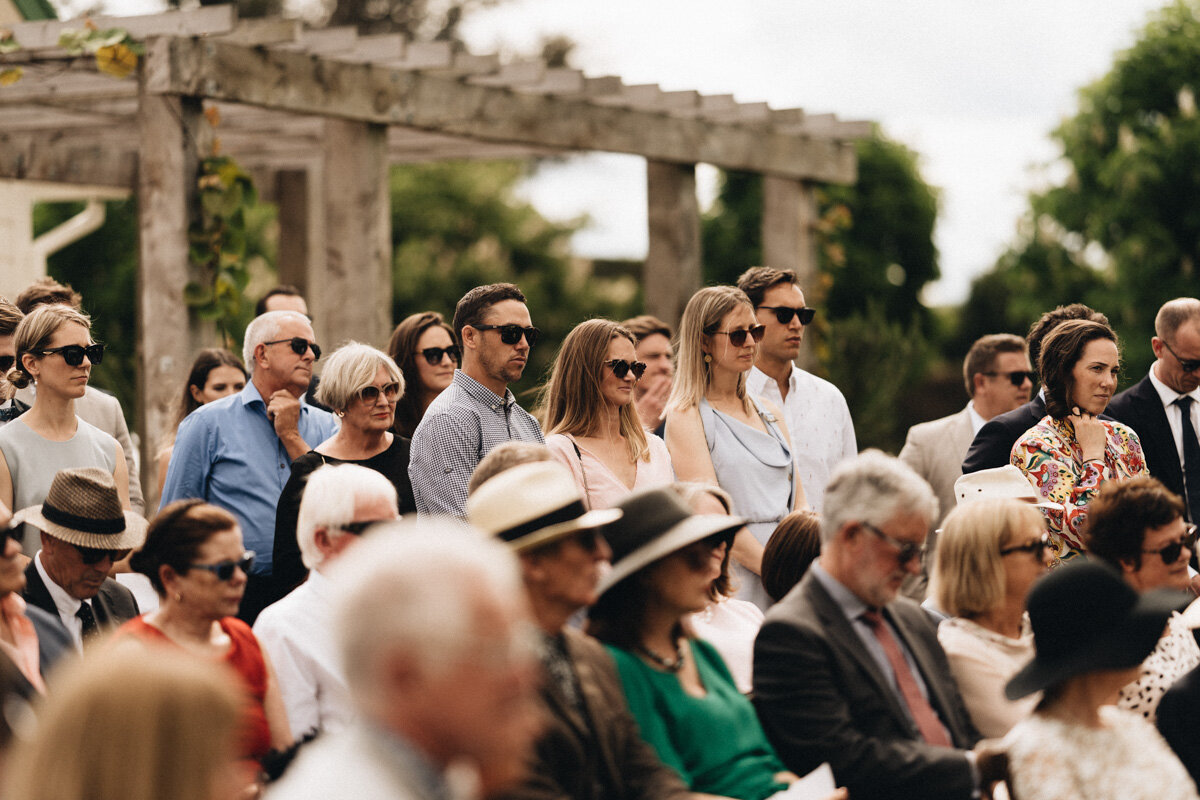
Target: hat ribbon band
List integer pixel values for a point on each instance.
(84, 524)
(567, 513)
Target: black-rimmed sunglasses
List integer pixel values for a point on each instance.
(434, 355)
(738, 337)
(357, 528)
(370, 394)
(223, 570)
(94, 555)
(511, 334)
(1170, 553)
(1186, 364)
(907, 550)
(6, 363)
(300, 346)
(1017, 377)
(620, 367)
(1036, 547)
(73, 353)
(785, 313)
(699, 554)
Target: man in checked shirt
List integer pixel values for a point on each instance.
(477, 411)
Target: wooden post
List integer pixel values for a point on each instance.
(292, 198)
(672, 272)
(789, 241)
(352, 298)
(173, 133)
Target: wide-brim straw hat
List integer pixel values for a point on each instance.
(1086, 618)
(999, 483)
(532, 505)
(83, 508)
(656, 523)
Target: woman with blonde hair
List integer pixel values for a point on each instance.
(54, 351)
(590, 419)
(362, 386)
(718, 433)
(129, 725)
(989, 553)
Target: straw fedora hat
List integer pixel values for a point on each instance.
(532, 505)
(656, 523)
(83, 508)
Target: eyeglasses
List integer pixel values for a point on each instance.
(1035, 547)
(738, 337)
(1016, 377)
(6, 363)
(370, 394)
(1170, 554)
(785, 313)
(588, 539)
(300, 346)
(621, 368)
(699, 554)
(511, 334)
(1186, 364)
(908, 550)
(224, 569)
(16, 533)
(94, 555)
(73, 353)
(434, 355)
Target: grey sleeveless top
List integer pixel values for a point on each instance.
(33, 461)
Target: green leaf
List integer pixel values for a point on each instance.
(196, 295)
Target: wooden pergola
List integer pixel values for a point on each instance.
(318, 115)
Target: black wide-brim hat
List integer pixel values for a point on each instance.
(1086, 618)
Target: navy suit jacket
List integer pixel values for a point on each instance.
(993, 444)
(114, 605)
(1141, 408)
(822, 697)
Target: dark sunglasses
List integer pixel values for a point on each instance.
(434, 355)
(1186, 364)
(738, 337)
(1170, 554)
(94, 555)
(699, 554)
(511, 334)
(370, 394)
(785, 313)
(907, 550)
(1037, 547)
(1016, 377)
(73, 353)
(6, 363)
(16, 533)
(621, 368)
(357, 528)
(300, 346)
(588, 539)
(224, 569)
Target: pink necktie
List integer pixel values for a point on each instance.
(922, 713)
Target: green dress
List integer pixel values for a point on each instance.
(715, 742)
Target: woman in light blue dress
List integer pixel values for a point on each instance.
(718, 433)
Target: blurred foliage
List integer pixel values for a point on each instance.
(1122, 231)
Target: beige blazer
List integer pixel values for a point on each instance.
(935, 451)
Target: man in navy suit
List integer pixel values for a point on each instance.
(1162, 407)
(993, 443)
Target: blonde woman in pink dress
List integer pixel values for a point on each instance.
(591, 422)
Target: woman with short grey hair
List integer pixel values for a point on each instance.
(361, 385)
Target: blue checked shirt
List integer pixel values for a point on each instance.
(459, 428)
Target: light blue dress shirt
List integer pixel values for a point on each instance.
(227, 453)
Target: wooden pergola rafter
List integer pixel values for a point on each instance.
(318, 115)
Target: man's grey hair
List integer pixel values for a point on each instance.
(1175, 313)
(266, 328)
(330, 494)
(874, 488)
(416, 587)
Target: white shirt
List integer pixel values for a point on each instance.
(977, 421)
(818, 423)
(1174, 413)
(297, 635)
(67, 605)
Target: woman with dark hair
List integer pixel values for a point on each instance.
(215, 374)
(1071, 451)
(423, 347)
(195, 560)
(790, 551)
(590, 419)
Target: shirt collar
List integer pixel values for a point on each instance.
(65, 603)
(977, 421)
(250, 395)
(412, 762)
(1166, 393)
(480, 392)
(850, 603)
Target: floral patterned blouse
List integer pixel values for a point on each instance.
(1053, 462)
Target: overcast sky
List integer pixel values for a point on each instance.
(973, 87)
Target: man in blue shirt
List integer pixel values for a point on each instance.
(476, 412)
(237, 452)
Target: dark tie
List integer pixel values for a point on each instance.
(88, 619)
(932, 730)
(1191, 459)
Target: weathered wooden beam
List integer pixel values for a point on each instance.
(789, 240)
(264, 31)
(59, 157)
(368, 93)
(518, 73)
(672, 271)
(193, 22)
(385, 47)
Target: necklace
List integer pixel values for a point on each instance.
(665, 663)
